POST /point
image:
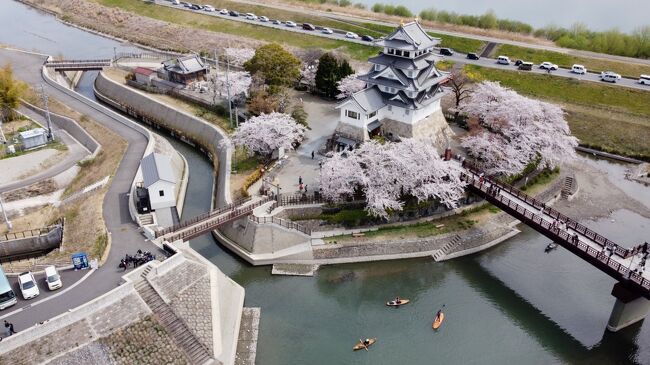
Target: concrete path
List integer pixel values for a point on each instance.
(124, 233)
(75, 153)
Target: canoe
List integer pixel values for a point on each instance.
(438, 321)
(360, 346)
(401, 302)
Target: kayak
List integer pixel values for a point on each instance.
(438, 321)
(360, 346)
(401, 302)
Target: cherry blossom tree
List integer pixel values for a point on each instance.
(240, 83)
(349, 85)
(238, 56)
(387, 173)
(308, 74)
(268, 132)
(513, 131)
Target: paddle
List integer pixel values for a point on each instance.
(365, 347)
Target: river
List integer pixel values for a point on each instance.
(511, 304)
(596, 14)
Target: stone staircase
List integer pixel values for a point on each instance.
(146, 219)
(175, 327)
(568, 187)
(448, 247)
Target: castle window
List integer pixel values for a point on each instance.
(407, 54)
(406, 111)
(352, 114)
(371, 115)
(377, 67)
(391, 51)
(398, 52)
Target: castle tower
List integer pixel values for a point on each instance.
(402, 94)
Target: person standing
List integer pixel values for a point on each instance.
(10, 327)
(299, 180)
(312, 155)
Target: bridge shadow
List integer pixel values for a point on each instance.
(613, 348)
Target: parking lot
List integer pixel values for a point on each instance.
(457, 57)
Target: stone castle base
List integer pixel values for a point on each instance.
(352, 132)
(434, 128)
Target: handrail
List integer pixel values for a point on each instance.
(281, 222)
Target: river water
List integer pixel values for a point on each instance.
(596, 14)
(510, 304)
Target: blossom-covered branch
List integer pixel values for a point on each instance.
(349, 85)
(268, 132)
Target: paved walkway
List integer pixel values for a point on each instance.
(124, 233)
(75, 153)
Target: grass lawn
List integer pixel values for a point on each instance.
(210, 23)
(614, 119)
(565, 60)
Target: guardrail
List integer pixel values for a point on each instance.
(282, 222)
(31, 232)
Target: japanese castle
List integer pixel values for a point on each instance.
(402, 94)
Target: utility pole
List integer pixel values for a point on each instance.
(228, 90)
(4, 212)
(50, 137)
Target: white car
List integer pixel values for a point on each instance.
(264, 19)
(327, 31)
(289, 23)
(176, 2)
(351, 35)
(251, 16)
(609, 76)
(503, 60)
(223, 11)
(28, 286)
(548, 66)
(208, 8)
(578, 69)
(52, 278)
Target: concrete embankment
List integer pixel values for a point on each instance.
(184, 126)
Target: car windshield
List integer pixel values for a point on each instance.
(28, 284)
(53, 278)
(7, 296)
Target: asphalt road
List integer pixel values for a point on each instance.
(124, 233)
(75, 153)
(457, 57)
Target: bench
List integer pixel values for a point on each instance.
(360, 234)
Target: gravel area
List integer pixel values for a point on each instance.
(93, 353)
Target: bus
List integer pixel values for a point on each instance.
(7, 295)
(644, 79)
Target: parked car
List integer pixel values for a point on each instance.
(28, 286)
(308, 26)
(351, 35)
(579, 69)
(196, 7)
(327, 31)
(223, 11)
(251, 16)
(644, 79)
(52, 278)
(275, 21)
(548, 66)
(609, 76)
(503, 60)
(518, 62)
(526, 66)
(446, 52)
(176, 2)
(291, 24)
(367, 38)
(7, 295)
(473, 56)
(234, 13)
(209, 8)
(264, 19)
(186, 4)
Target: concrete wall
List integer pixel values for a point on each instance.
(29, 245)
(258, 238)
(72, 127)
(181, 124)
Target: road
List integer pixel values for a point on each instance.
(75, 153)
(124, 233)
(460, 58)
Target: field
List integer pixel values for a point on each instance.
(610, 118)
(566, 60)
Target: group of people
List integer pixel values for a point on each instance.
(301, 187)
(9, 328)
(138, 259)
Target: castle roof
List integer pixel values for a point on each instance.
(409, 36)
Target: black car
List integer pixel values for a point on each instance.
(367, 38)
(275, 21)
(233, 13)
(307, 26)
(472, 56)
(518, 62)
(446, 52)
(196, 7)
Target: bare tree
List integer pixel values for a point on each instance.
(459, 83)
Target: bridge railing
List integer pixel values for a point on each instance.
(201, 217)
(101, 60)
(564, 236)
(281, 222)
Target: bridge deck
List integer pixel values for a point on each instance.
(616, 261)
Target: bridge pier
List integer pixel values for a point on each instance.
(630, 307)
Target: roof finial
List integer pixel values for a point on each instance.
(401, 22)
(416, 19)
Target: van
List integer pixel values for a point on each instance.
(644, 80)
(609, 76)
(578, 69)
(52, 278)
(7, 295)
(526, 66)
(307, 26)
(503, 60)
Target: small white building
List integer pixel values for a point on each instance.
(144, 75)
(33, 138)
(159, 180)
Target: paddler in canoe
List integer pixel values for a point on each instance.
(440, 316)
(397, 302)
(364, 344)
